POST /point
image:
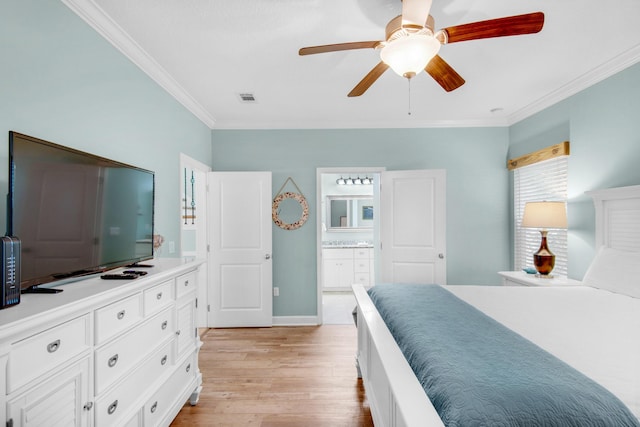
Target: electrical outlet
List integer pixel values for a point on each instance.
(172, 247)
(276, 291)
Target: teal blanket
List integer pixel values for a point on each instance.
(477, 372)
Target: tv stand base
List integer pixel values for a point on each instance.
(136, 265)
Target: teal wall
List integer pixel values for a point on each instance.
(603, 125)
(477, 192)
(62, 82)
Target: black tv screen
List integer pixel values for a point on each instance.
(75, 213)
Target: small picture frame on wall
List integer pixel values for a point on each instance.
(367, 212)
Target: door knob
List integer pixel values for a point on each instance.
(267, 256)
(441, 256)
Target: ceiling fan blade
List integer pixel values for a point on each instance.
(369, 79)
(337, 47)
(415, 13)
(510, 26)
(444, 74)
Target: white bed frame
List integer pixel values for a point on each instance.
(395, 395)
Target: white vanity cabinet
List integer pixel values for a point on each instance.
(342, 267)
(103, 353)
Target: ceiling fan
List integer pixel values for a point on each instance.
(411, 45)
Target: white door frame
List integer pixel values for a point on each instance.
(201, 247)
(354, 170)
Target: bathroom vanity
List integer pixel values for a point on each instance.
(344, 265)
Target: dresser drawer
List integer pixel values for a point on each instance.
(158, 297)
(156, 408)
(40, 353)
(121, 400)
(185, 284)
(116, 317)
(117, 357)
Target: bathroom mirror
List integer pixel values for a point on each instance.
(349, 213)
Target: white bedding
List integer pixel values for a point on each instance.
(593, 330)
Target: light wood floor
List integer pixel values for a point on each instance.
(280, 376)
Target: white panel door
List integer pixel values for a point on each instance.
(240, 265)
(413, 227)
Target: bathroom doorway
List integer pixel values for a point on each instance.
(348, 199)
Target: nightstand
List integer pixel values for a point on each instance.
(520, 278)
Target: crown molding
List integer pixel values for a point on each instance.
(392, 124)
(604, 71)
(95, 16)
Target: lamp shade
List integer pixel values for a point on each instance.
(408, 56)
(545, 215)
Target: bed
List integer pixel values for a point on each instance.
(588, 332)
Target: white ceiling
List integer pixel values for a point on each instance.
(207, 52)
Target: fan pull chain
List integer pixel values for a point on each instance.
(409, 100)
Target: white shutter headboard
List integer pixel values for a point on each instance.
(618, 217)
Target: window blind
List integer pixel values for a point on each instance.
(545, 180)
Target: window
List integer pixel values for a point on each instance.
(537, 177)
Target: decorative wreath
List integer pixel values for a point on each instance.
(303, 203)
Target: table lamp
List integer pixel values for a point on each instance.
(544, 215)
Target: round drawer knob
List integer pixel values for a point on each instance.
(121, 315)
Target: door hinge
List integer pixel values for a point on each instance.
(208, 307)
(196, 302)
(208, 248)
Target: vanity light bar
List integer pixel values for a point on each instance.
(354, 181)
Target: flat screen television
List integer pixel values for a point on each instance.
(75, 213)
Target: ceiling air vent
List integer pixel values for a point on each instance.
(247, 97)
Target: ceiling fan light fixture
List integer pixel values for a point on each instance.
(409, 55)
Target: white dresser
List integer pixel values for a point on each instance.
(343, 267)
(103, 352)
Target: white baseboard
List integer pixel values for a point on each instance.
(295, 321)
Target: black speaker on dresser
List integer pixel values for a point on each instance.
(10, 255)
